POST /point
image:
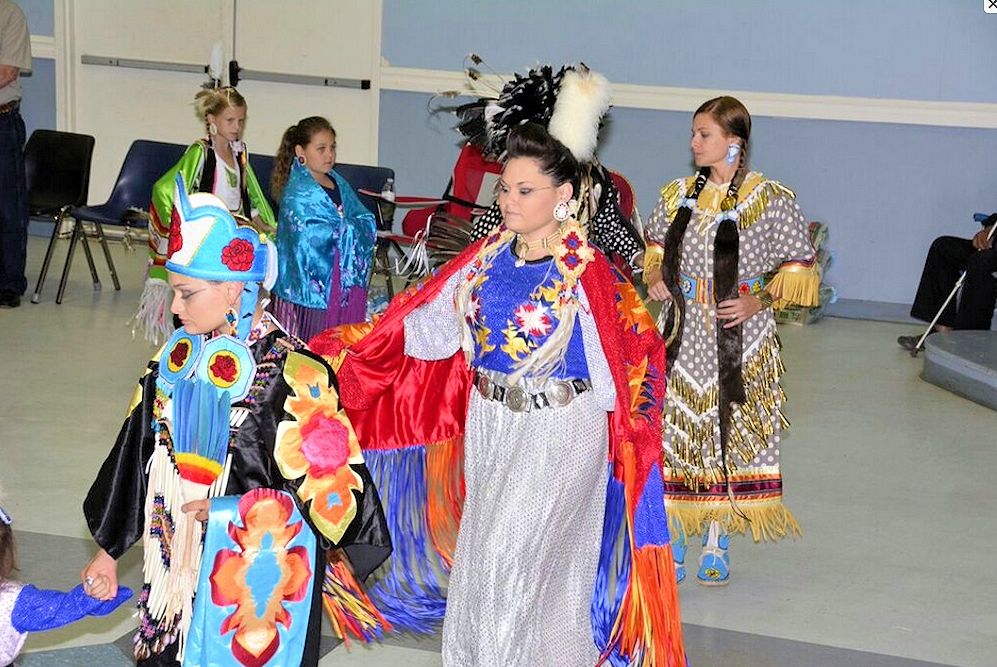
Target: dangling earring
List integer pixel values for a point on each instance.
(561, 211)
(212, 129)
(233, 320)
(732, 152)
(301, 160)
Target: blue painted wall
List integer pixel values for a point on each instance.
(909, 49)
(885, 190)
(38, 88)
(40, 15)
(38, 96)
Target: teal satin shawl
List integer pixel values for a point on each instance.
(312, 233)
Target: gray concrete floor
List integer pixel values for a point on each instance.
(890, 477)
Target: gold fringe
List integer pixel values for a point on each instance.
(795, 284)
(654, 257)
(754, 421)
(769, 520)
(754, 197)
(671, 194)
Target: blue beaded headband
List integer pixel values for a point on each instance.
(4, 517)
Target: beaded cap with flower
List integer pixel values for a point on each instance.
(207, 242)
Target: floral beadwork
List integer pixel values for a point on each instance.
(176, 237)
(161, 527)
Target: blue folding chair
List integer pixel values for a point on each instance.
(368, 181)
(144, 163)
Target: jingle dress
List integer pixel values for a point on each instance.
(775, 254)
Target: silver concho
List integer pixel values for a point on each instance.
(560, 394)
(517, 400)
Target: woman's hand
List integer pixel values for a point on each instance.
(736, 311)
(980, 241)
(100, 576)
(199, 508)
(656, 285)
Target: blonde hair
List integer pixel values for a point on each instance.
(215, 100)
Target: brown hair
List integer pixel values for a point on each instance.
(299, 134)
(8, 552)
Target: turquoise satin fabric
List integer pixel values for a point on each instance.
(312, 233)
(206, 645)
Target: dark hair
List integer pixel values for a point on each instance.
(733, 118)
(533, 141)
(297, 135)
(8, 555)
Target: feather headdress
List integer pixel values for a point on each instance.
(570, 102)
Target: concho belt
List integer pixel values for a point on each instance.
(557, 395)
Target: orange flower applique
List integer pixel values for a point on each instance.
(261, 576)
(319, 445)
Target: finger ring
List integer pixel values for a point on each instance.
(89, 581)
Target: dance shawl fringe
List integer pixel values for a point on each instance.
(351, 612)
(153, 318)
(414, 450)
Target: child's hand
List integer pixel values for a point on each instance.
(100, 577)
(199, 508)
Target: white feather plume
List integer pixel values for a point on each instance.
(582, 101)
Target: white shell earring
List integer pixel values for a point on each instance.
(212, 129)
(561, 211)
(733, 150)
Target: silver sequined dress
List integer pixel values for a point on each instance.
(520, 589)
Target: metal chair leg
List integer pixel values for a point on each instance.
(107, 255)
(36, 297)
(86, 250)
(69, 261)
(383, 267)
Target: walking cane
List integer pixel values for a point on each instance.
(955, 290)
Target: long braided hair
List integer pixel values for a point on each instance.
(733, 118)
(299, 134)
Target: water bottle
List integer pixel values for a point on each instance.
(387, 203)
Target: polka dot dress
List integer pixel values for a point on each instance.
(691, 436)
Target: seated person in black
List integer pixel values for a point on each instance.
(947, 258)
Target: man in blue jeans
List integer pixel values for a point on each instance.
(15, 57)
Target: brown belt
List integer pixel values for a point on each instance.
(10, 106)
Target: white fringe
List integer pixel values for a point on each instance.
(153, 316)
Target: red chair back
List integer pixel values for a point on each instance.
(471, 187)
